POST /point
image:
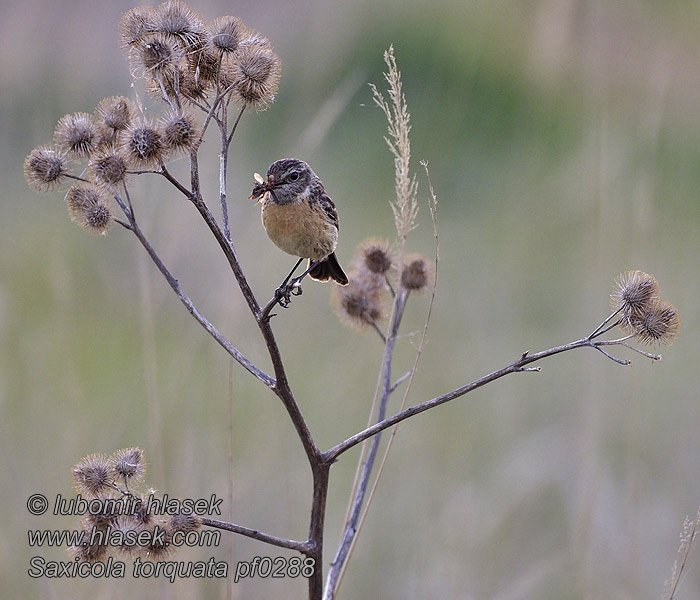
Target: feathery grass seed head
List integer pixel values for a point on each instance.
(45, 168)
(77, 134)
(88, 207)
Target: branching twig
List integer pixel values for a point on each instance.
(258, 535)
(184, 298)
(351, 530)
(515, 367)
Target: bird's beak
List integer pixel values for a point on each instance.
(261, 187)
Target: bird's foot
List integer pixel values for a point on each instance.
(283, 297)
(283, 294)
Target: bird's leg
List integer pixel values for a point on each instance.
(295, 284)
(283, 291)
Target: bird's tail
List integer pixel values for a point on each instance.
(329, 269)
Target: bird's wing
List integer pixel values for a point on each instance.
(329, 208)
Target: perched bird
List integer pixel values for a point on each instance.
(300, 218)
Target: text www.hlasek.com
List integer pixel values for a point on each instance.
(265, 566)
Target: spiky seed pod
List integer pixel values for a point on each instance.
(154, 56)
(142, 144)
(45, 168)
(657, 324)
(416, 273)
(134, 24)
(88, 206)
(194, 88)
(86, 552)
(184, 523)
(77, 134)
(226, 33)
(254, 72)
(169, 86)
(92, 474)
(360, 303)
(180, 131)
(107, 166)
(115, 112)
(141, 513)
(204, 66)
(254, 38)
(376, 255)
(128, 465)
(128, 529)
(160, 545)
(179, 21)
(180, 84)
(103, 512)
(633, 293)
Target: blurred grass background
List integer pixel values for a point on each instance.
(562, 140)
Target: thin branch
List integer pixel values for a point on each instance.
(77, 178)
(184, 298)
(235, 125)
(337, 568)
(281, 386)
(165, 173)
(515, 367)
(647, 354)
(376, 328)
(332, 589)
(599, 330)
(124, 224)
(619, 361)
(399, 381)
(223, 170)
(258, 535)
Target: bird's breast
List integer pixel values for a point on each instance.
(300, 229)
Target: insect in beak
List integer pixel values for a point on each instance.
(261, 186)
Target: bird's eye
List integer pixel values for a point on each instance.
(293, 176)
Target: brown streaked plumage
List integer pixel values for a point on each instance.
(300, 218)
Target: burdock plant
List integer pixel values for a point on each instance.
(198, 72)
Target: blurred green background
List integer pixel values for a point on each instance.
(562, 140)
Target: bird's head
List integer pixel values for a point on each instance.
(287, 181)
